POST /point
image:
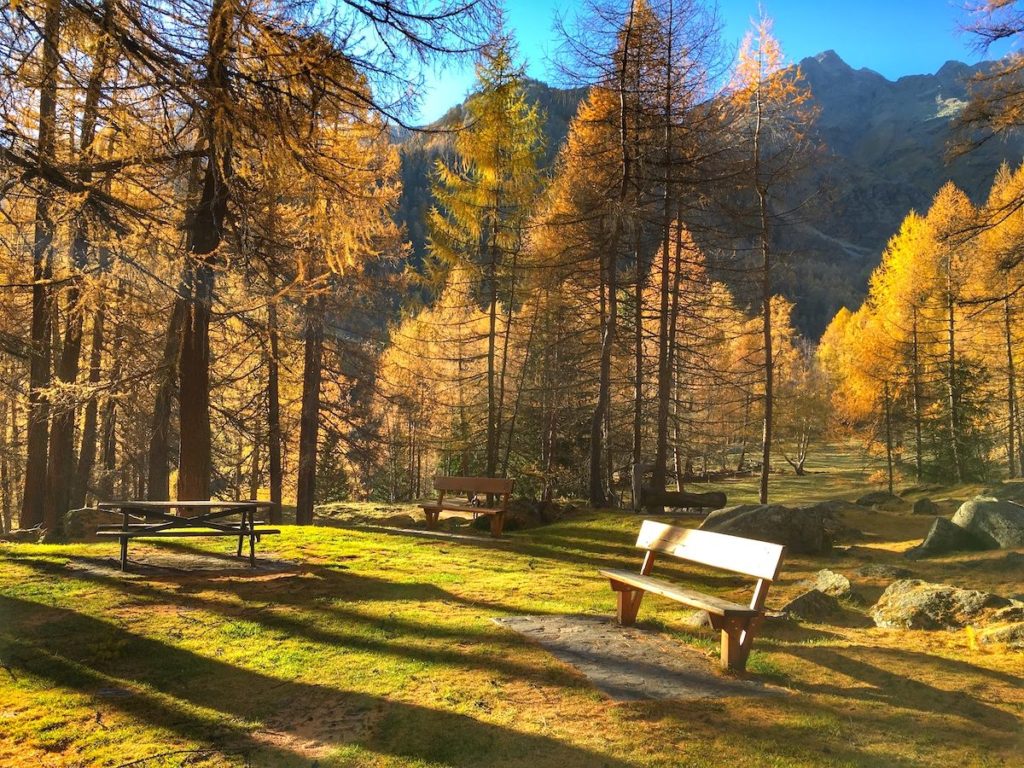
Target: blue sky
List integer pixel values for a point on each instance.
(893, 37)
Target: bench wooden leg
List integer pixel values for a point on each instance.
(252, 551)
(432, 516)
(124, 553)
(737, 640)
(497, 523)
(628, 606)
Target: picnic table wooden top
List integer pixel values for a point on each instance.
(162, 505)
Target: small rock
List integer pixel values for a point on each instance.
(882, 499)
(874, 571)
(1011, 636)
(831, 583)
(31, 535)
(944, 537)
(916, 604)
(996, 523)
(698, 619)
(813, 606)
(1013, 612)
(925, 506)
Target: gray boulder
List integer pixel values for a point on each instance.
(925, 506)
(1011, 490)
(996, 523)
(944, 537)
(81, 524)
(813, 605)
(915, 604)
(803, 531)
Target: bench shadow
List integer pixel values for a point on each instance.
(893, 688)
(166, 684)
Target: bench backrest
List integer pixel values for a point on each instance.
(759, 559)
(497, 485)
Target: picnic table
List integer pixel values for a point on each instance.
(154, 519)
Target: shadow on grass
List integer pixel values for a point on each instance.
(894, 687)
(278, 609)
(172, 688)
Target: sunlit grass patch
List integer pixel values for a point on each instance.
(370, 649)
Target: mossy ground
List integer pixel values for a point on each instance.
(378, 649)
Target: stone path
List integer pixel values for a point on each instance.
(629, 664)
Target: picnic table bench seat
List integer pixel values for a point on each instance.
(470, 486)
(737, 623)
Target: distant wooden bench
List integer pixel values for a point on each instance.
(471, 487)
(737, 623)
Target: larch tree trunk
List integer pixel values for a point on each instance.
(599, 419)
(309, 420)
(1011, 386)
(274, 415)
(204, 233)
(918, 407)
(32, 503)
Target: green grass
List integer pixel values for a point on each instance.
(378, 649)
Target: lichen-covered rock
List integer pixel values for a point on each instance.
(944, 537)
(27, 535)
(1011, 635)
(803, 530)
(925, 506)
(80, 524)
(813, 605)
(916, 604)
(831, 583)
(996, 523)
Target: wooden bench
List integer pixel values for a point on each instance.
(471, 487)
(738, 623)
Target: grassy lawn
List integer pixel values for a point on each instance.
(378, 649)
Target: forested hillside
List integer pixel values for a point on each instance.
(207, 294)
(885, 152)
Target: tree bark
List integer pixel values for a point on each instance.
(32, 505)
(205, 231)
(952, 388)
(918, 408)
(1011, 387)
(273, 415)
(159, 471)
(310, 416)
(599, 419)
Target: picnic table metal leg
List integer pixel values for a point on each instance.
(124, 541)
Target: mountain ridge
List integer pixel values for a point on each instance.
(886, 143)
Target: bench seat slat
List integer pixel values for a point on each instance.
(171, 533)
(716, 605)
(462, 508)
